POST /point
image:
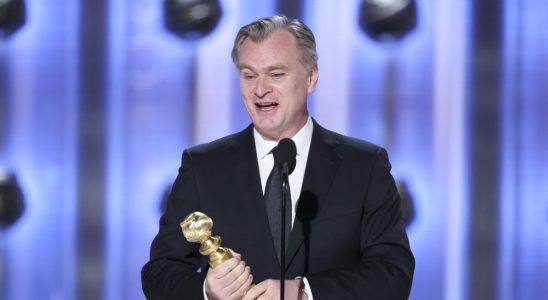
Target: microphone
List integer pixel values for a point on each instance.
(286, 154)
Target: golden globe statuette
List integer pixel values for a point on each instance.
(197, 228)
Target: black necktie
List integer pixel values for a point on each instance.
(273, 202)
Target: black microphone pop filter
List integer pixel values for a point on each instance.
(287, 152)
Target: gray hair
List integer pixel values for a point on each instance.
(260, 29)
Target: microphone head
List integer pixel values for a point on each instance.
(286, 152)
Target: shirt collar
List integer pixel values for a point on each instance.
(302, 140)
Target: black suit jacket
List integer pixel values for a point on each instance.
(348, 237)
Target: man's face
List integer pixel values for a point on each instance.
(275, 84)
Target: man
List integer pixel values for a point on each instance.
(347, 237)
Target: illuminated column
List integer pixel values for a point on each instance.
(214, 69)
(450, 62)
(333, 31)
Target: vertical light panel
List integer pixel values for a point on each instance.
(450, 86)
(156, 125)
(333, 24)
(18, 239)
(22, 238)
(532, 139)
(117, 39)
(214, 69)
(42, 151)
(506, 281)
(69, 148)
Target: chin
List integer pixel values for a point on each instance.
(267, 124)
(270, 132)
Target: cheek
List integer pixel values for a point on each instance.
(299, 94)
(248, 104)
(245, 89)
(245, 94)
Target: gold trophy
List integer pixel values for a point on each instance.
(197, 228)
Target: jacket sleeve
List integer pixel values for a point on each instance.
(386, 265)
(175, 264)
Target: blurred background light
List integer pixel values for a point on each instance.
(12, 16)
(192, 19)
(12, 202)
(382, 19)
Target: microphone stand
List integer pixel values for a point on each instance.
(285, 185)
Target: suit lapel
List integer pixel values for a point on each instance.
(246, 180)
(321, 168)
(246, 177)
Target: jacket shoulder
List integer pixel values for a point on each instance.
(222, 145)
(347, 144)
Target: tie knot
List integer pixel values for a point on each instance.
(276, 155)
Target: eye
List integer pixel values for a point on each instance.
(278, 75)
(248, 76)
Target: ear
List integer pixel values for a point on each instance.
(313, 78)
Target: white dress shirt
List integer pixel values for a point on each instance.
(266, 160)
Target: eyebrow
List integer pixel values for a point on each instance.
(270, 68)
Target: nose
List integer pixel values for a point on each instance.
(262, 87)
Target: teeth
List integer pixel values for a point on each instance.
(266, 106)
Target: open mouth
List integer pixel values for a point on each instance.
(266, 106)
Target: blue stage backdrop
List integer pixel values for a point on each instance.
(98, 100)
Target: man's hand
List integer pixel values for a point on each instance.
(229, 280)
(270, 290)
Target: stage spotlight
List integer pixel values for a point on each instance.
(392, 19)
(12, 203)
(12, 16)
(191, 19)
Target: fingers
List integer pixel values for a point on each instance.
(270, 289)
(226, 267)
(244, 281)
(256, 291)
(228, 280)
